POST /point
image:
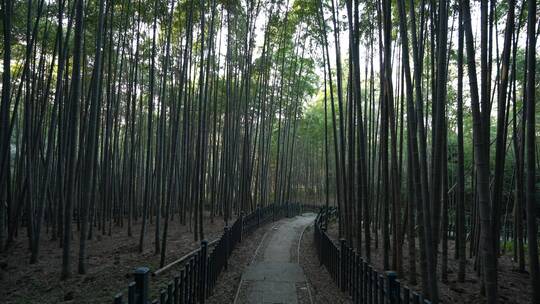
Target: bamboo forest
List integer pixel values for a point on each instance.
(269, 151)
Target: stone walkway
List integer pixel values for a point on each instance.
(275, 277)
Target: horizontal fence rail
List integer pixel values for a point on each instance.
(201, 268)
(353, 274)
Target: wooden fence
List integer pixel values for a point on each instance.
(200, 269)
(354, 275)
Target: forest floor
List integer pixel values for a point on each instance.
(110, 264)
(514, 286)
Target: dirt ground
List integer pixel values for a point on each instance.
(110, 260)
(514, 287)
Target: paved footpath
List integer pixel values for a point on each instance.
(275, 277)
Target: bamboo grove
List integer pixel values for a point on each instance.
(136, 113)
(436, 139)
(416, 118)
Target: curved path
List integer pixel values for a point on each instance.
(274, 275)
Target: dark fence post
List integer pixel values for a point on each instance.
(182, 287)
(141, 285)
(170, 293)
(381, 288)
(163, 296)
(176, 291)
(365, 281)
(391, 293)
(321, 245)
(342, 264)
(190, 275)
(370, 278)
(406, 295)
(131, 292)
(118, 299)
(397, 292)
(196, 278)
(417, 298)
(226, 236)
(241, 226)
(204, 261)
(357, 278)
(258, 215)
(322, 250)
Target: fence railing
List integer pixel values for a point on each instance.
(354, 275)
(201, 268)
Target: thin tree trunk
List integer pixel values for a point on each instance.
(532, 228)
(481, 144)
(460, 197)
(71, 139)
